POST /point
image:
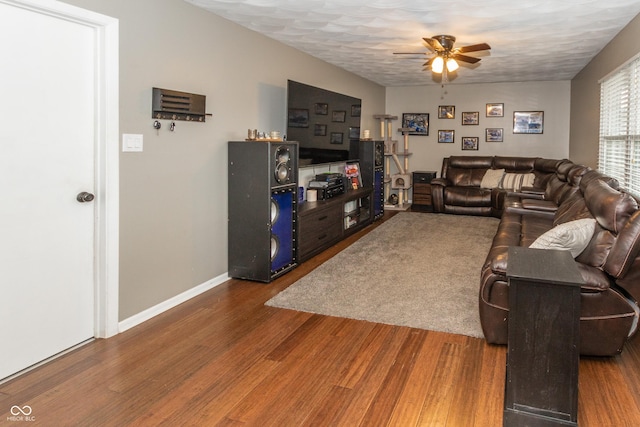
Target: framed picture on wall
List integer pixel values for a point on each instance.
(495, 110)
(320, 130)
(354, 132)
(298, 118)
(470, 142)
(494, 134)
(321, 108)
(446, 112)
(338, 116)
(528, 122)
(336, 138)
(417, 122)
(470, 117)
(446, 136)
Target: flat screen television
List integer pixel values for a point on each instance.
(324, 123)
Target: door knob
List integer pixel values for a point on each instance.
(84, 197)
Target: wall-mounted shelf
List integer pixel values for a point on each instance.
(175, 105)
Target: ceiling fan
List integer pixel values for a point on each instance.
(446, 54)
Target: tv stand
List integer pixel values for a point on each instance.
(324, 223)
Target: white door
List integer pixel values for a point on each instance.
(47, 157)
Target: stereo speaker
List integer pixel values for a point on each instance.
(262, 197)
(371, 157)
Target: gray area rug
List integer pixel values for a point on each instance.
(417, 269)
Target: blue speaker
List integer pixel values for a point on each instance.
(263, 200)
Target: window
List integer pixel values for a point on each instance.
(619, 154)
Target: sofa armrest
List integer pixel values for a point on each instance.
(539, 205)
(437, 193)
(529, 193)
(440, 181)
(517, 208)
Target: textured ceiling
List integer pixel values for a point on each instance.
(530, 39)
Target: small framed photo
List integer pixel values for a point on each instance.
(298, 118)
(355, 110)
(319, 130)
(352, 172)
(495, 110)
(470, 142)
(471, 118)
(321, 108)
(446, 112)
(528, 122)
(417, 122)
(354, 132)
(336, 138)
(494, 134)
(446, 136)
(338, 116)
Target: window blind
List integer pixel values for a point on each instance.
(619, 154)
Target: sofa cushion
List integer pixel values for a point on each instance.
(492, 178)
(468, 196)
(611, 208)
(574, 207)
(515, 164)
(573, 236)
(471, 162)
(515, 181)
(462, 177)
(554, 190)
(597, 251)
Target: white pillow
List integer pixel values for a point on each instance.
(515, 181)
(492, 178)
(573, 236)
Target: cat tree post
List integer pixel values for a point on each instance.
(389, 148)
(402, 180)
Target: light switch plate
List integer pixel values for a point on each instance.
(132, 142)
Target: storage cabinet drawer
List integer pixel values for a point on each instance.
(421, 199)
(421, 194)
(319, 229)
(420, 177)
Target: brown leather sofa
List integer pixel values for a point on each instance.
(458, 189)
(610, 264)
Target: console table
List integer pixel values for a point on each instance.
(323, 223)
(544, 338)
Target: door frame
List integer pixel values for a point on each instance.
(106, 213)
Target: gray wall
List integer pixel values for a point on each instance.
(551, 97)
(585, 93)
(173, 217)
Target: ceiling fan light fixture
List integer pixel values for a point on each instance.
(452, 65)
(437, 65)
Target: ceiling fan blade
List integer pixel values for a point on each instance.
(428, 63)
(473, 48)
(409, 53)
(465, 58)
(433, 44)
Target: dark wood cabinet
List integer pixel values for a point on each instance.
(422, 191)
(318, 227)
(323, 223)
(544, 338)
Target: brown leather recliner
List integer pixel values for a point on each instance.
(458, 190)
(610, 266)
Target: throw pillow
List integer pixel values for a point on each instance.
(492, 178)
(573, 236)
(515, 181)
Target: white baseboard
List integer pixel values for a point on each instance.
(170, 303)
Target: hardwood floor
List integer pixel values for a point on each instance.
(225, 359)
